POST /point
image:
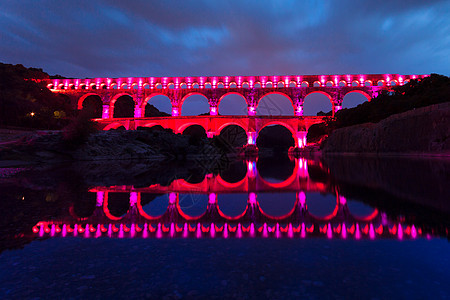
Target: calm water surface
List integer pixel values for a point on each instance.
(270, 228)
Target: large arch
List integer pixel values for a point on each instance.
(113, 126)
(275, 106)
(184, 126)
(82, 98)
(158, 100)
(233, 135)
(125, 108)
(92, 105)
(354, 98)
(198, 106)
(314, 103)
(232, 106)
(292, 131)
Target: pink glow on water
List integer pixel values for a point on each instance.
(172, 229)
(121, 231)
(75, 230)
(371, 232)
(185, 230)
(265, 233)
(400, 231)
(290, 231)
(303, 231)
(172, 198)
(239, 231)
(252, 199)
(213, 230)
(302, 200)
(358, 232)
(145, 232)
(100, 196)
(64, 230)
(342, 200)
(329, 231)
(199, 231)
(344, 231)
(277, 231)
(413, 232)
(212, 198)
(159, 231)
(225, 231)
(52, 231)
(252, 230)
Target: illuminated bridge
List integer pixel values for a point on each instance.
(213, 217)
(110, 91)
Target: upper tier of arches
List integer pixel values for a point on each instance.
(232, 82)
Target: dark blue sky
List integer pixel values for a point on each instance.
(176, 38)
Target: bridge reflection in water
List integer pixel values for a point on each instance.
(250, 207)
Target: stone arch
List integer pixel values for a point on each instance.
(92, 106)
(184, 126)
(368, 97)
(82, 98)
(287, 126)
(114, 126)
(181, 104)
(305, 109)
(321, 197)
(233, 133)
(221, 127)
(276, 107)
(354, 98)
(219, 102)
(114, 100)
(149, 97)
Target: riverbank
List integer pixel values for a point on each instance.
(54, 147)
(423, 131)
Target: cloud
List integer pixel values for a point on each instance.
(172, 38)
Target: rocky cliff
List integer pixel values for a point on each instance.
(421, 131)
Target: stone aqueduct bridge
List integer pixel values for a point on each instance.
(251, 88)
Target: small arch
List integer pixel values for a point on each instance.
(342, 83)
(257, 85)
(83, 87)
(135, 86)
(208, 85)
(380, 83)
(61, 86)
(355, 83)
(393, 82)
(280, 209)
(268, 84)
(292, 84)
(113, 86)
(50, 86)
(275, 105)
(159, 86)
(368, 83)
(259, 139)
(103, 86)
(116, 205)
(305, 84)
(194, 130)
(171, 86)
(183, 86)
(220, 85)
(124, 86)
(317, 83)
(233, 85)
(232, 206)
(280, 84)
(329, 83)
(71, 86)
(93, 86)
(152, 206)
(245, 85)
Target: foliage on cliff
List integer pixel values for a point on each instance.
(25, 102)
(417, 93)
